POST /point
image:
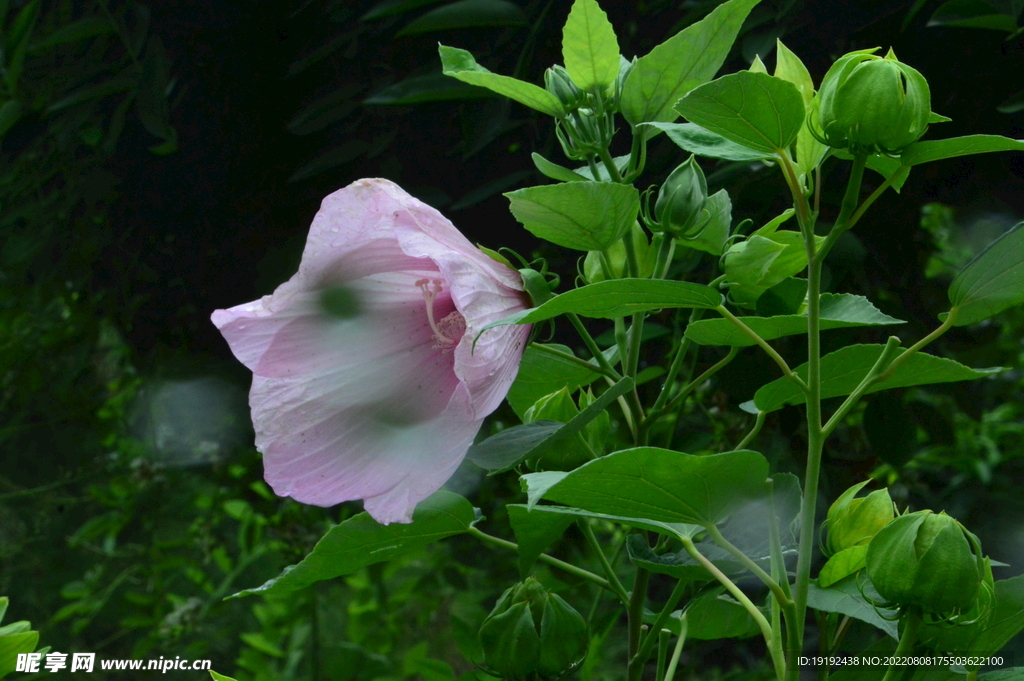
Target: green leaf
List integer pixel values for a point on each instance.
(589, 47)
(842, 371)
(972, 14)
(838, 310)
(936, 150)
(391, 7)
(620, 162)
(13, 644)
(1008, 674)
(509, 447)
(789, 67)
(696, 140)
(713, 231)
(4, 602)
(553, 170)
(764, 260)
(618, 298)
(679, 564)
(585, 216)
(787, 297)
(677, 530)
(219, 677)
(361, 541)
(848, 598)
(715, 616)
(690, 58)
(88, 27)
(461, 64)
(535, 531)
(843, 564)
(467, 14)
(753, 110)
(992, 281)
(432, 87)
(541, 373)
(657, 484)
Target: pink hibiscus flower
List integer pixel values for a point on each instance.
(381, 399)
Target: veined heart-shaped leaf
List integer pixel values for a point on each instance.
(461, 64)
(618, 298)
(585, 216)
(754, 110)
(843, 370)
(690, 58)
(838, 310)
(657, 484)
(361, 541)
(993, 281)
(936, 150)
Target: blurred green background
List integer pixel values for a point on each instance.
(162, 160)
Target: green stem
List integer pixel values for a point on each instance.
(852, 196)
(815, 444)
(881, 364)
(907, 640)
(573, 359)
(613, 579)
(663, 637)
(659, 622)
(699, 381)
(903, 358)
(609, 164)
(759, 618)
(750, 333)
(666, 249)
(637, 167)
(675, 366)
(635, 613)
(746, 561)
(545, 558)
(591, 344)
(758, 422)
(671, 671)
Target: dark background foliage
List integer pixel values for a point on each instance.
(169, 162)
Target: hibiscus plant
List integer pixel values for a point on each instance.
(375, 366)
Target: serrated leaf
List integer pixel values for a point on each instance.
(846, 598)
(680, 564)
(585, 216)
(690, 58)
(992, 281)
(936, 150)
(657, 484)
(461, 64)
(361, 541)
(754, 110)
(618, 298)
(589, 46)
(696, 140)
(553, 170)
(467, 14)
(838, 311)
(508, 448)
(843, 370)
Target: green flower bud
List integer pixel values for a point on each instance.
(926, 560)
(681, 200)
(872, 104)
(855, 521)
(558, 83)
(533, 634)
(646, 255)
